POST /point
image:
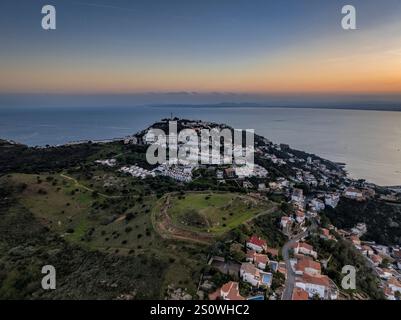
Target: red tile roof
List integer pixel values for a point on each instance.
(355, 238)
(282, 268)
(397, 253)
(302, 256)
(250, 254)
(250, 268)
(257, 241)
(376, 258)
(272, 251)
(321, 280)
(261, 258)
(302, 264)
(231, 290)
(305, 246)
(299, 294)
(393, 281)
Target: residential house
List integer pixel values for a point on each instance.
(299, 294)
(274, 265)
(315, 285)
(285, 222)
(394, 285)
(300, 216)
(355, 241)
(317, 204)
(359, 229)
(307, 266)
(273, 185)
(332, 199)
(261, 187)
(283, 183)
(343, 233)
(229, 291)
(247, 184)
(230, 172)
(282, 268)
(258, 259)
(367, 251)
(376, 259)
(272, 252)
(325, 234)
(249, 273)
(353, 193)
(256, 243)
(297, 195)
(304, 248)
(312, 213)
(384, 273)
(390, 295)
(396, 254)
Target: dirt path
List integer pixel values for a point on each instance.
(163, 224)
(268, 211)
(78, 184)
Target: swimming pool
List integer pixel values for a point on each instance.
(261, 297)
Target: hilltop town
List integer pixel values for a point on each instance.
(279, 231)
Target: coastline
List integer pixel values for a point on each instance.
(354, 137)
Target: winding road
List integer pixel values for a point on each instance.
(290, 281)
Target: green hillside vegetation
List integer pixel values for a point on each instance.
(383, 219)
(342, 253)
(97, 226)
(214, 212)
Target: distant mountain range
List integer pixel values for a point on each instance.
(197, 99)
(375, 106)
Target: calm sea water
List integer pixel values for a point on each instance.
(369, 142)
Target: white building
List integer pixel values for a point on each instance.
(300, 216)
(249, 273)
(138, 172)
(257, 244)
(332, 199)
(107, 162)
(317, 204)
(316, 285)
(353, 193)
(297, 195)
(176, 172)
(285, 222)
(304, 248)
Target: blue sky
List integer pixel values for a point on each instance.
(255, 47)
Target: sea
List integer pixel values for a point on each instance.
(368, 142)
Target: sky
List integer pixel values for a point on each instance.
(247, 48)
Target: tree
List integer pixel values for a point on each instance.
(236, 252)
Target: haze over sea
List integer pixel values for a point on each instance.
(369, 142)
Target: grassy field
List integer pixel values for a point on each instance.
(214, 212)
(120, 226)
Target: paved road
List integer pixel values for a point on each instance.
(290, 281)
